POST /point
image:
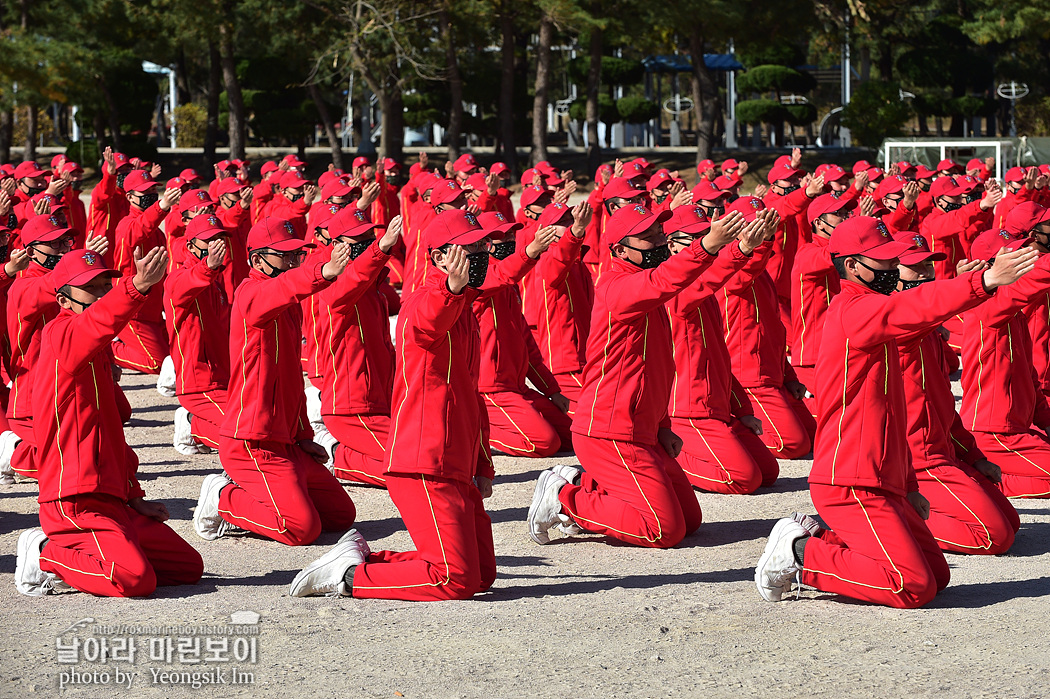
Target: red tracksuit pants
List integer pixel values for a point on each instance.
(808, 379)
(787, 425)
(142, 346)
(454, 556)
(99, 545)
(527, 424)
(361, 455)
(281, 492)
(878, 549)
(5, 394)
(1024, 460)
(23, 460)
(632, 492)
(724, 457)
(968, 514)
(208, 410)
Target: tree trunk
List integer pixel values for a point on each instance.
(7, 124)
(539, 102)
(392, 130)
(705, 97)
(233, 93)
(31, 127)
(594, 77)
(506, 90)
(211, 127)
(99, 124)
(113, 115)
(329, 126)
(455, 83)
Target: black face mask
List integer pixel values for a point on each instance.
(294, 197)
(120, 180)
(884, 280)
(147, 200)
(971, 198)
(33, 191)
(912, 283)
(49, 260)
(479, 267)
(651, 258)
(357, 248)
(12, 221)
(503, 249)
(952, 206)
(274, 272)
(3, 252)
(790, 188)
(659, 198)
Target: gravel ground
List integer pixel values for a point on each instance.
(579, 618)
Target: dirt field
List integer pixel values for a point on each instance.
(580, 619)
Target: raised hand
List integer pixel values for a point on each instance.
(311, 194)
(154, 172)
(911, 194)
(581, 216)
(796, 157)
(391, 236)
(246, 197)
(99, 244)
(760, 190)
(965, 266)
(681, 198)
(424, 160)
(57, 185)
(149, 269)
(369, 193)
(492, 183)
(19, 261)
(458, 267)
(170, 197)
(860, 182)
(867, 205)
(42, 206)
(618, 168)
(545, 237)
(338, 262)
(1009, 267)
(111, 163)
(724, 231)
(753, 234)
(216, 253)
(992, 196)
(815, 186)
(741, 169)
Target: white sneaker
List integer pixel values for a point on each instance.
(326, 440)
(355, 537)
(207, 521)
(810, 524)
(166, 380)
(777, 567)
(8, 441)
(183, 440)
(545, 510)
(29, 579)
(325, 576)
(572, 475)
(313, 408)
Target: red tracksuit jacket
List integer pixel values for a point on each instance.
(357, 359)
(704, 386)
(861, 413)
(1000, 392)
(1038, 314)
(292, 211)
(262, 194)
(81, 446)
(266, 398)
(438, 418)
(31, 303)
(140, 229)
(788, 238)
(108, 207)
(197, 314)
(1009, 201)
(933, 423)
(77, 216)
(815, 283)
(946, 233)
(630, 369)
(755, 335)
(557, 300)
(508, 350)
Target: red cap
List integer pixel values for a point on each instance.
(120, 160)
(335, 187)
(620, 187)
(293, 160)
(922, 172)
(875, 174)
(229, 185)
(445, 192)
(70, 168)
(554, 215)
(361, 161)
(498, 226)
(204, 227)
(968, 182)
(327, 176)
(974, 164)
(499, 168)
(477, 182)
(138, 181)
(890, 185)
(861, 165)
(322, 216)
(826, 204)
(987, 244)
(946, 187)
(705, 165)
(453, 226)
(603, 169)
(727, 182)
(531, 195)
(465, 163)
(1014, 174)
(687, 219)
(241, 163)
(947, 165)
(747, 206)
(195, 199)
(28, 168)
(293, 179)
(274, 234)
(390, 164)
(226, 165)
(705, 190)
(44, 229)
(351, 222)
(552, 181)
(56, 159)
(782, 172)
(529, 176)
(642, 163)
(175, 183)
(867, 236)
(904, 166)
(190, 175)
(546, 168)
(833, 173)
(729, 164)
(919, 248)
(268, 166)
(628, 220)
(633, 170)
(661, 178)
(78, 267)
(1024, 217)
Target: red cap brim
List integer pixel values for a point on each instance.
(468, 237)
(887, 251)
(84, 277)
(914, 258)
(287, 245)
